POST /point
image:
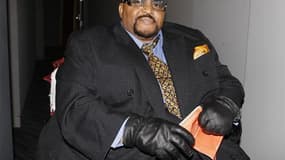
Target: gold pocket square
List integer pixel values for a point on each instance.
(200, 51)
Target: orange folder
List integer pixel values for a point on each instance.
(204, 143)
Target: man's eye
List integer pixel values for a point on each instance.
(158, 4)
(159, 1)
(136, 2)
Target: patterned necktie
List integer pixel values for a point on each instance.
(163, 75)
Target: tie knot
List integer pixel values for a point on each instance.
(148, 47)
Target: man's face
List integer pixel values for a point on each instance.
(143, 22)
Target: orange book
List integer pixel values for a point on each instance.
(204, 143)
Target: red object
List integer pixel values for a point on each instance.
(58, 62)
(204, 143)
(55, 64)
(47, 78)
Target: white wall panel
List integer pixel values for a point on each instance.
(264, 111)
(6, 147)
(249, 34)
(224, 22)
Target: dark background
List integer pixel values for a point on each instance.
(33, 33)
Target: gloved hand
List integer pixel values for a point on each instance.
(159, 138)
(218, 115)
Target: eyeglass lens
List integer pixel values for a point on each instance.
(156, 4)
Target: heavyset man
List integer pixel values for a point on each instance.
(123, 90)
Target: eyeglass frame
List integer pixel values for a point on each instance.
(142, 4)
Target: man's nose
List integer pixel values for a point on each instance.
(147, 5)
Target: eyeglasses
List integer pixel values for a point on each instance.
(156, 4)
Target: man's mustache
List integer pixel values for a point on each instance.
(147, 15)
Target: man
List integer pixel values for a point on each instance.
(122, 91)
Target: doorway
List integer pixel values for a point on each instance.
(61, 17)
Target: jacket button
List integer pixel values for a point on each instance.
(205, 73)
(130, 92)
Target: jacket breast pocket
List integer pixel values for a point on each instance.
(205, 67)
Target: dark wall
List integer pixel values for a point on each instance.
(22, 43)
(59, 17)
(52, 22)
(27, 45)
(58, 24)
(100, 12)
(5, 107)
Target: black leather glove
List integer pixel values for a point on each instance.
(218, 115)
(159, 138)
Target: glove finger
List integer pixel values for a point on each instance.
(174, 152)
(203, 118)
(215, 124)
(211, 128)
(163, 155)
(182, 147)
(184, 134)
(208, 121)
(180, 156)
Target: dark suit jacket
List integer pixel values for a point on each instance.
(106, 77)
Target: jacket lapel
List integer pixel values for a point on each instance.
(142, 69)
(180, 62)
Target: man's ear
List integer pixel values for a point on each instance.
(121, 9)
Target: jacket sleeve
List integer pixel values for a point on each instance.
(87, 124)
(230, 87)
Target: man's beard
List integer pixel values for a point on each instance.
(143, 33)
